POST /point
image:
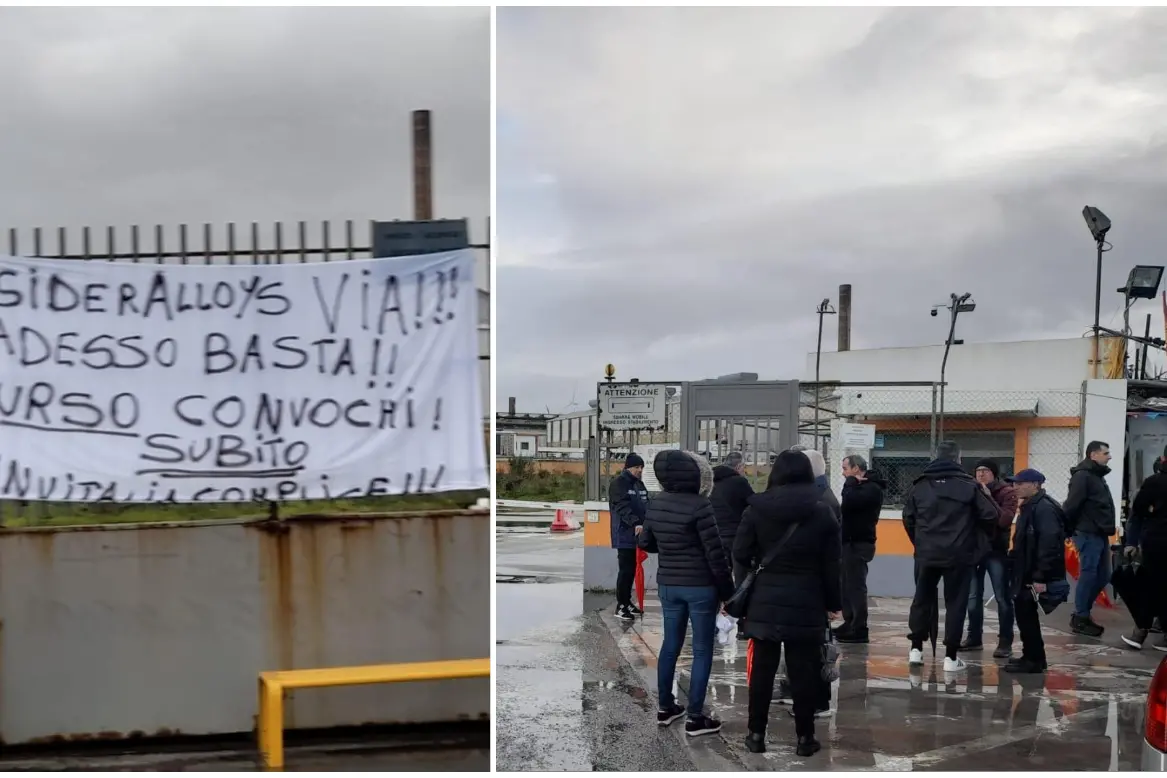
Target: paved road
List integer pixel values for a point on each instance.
(566, 697)
(576, 691)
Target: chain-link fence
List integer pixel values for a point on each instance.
(207, 244)
(895, 428)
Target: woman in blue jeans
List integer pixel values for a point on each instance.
(693, 579)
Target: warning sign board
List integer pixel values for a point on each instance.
(632, 406)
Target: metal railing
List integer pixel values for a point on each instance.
(274, 685)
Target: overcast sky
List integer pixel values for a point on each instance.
(139, 115)
(679, 188)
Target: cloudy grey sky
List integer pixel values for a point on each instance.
(168, 115)
(678, 188)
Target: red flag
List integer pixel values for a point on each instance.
(641, 555)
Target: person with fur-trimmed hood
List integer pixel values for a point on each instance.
(693, 579)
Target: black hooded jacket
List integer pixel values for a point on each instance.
(861, 504)
(1148, 523)
(1039, 543)
(730, 497)
(792, 596)
(680, 526)
(948, 516)
(1089, 505)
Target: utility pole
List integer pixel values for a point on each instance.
(958, 305)
(824, 309)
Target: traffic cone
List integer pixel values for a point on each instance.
(564, 521)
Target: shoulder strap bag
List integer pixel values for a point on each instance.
(737, 605)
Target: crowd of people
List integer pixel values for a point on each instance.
(792, 562)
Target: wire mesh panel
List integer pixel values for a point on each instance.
(251, 243)
(895, 429)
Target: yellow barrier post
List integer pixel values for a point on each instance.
(270, 724)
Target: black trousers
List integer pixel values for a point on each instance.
(957, 581)
(626, 558)
(804, 669)
(856, 558)
(1025, 610)
(1154, 580)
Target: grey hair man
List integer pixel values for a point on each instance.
(862, 502)
(948, 518)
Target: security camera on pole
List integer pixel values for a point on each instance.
(957, 305)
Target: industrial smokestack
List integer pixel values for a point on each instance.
(510, 406)
(423, 191)
(844, 317)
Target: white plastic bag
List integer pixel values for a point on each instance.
(725, 625)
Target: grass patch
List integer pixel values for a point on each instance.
(524, 482)
(17, 513)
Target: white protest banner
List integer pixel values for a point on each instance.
(223, 383)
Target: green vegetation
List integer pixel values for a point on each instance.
(524, 482)
(15, 513)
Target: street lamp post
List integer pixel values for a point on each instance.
(824, 309)
(958, 304)
(1099, 225)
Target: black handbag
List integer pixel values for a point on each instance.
(736, 605)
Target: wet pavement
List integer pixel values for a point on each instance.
(1085, 714)
(462, 748)
(576, 690)
(566, 697)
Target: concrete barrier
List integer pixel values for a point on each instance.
(139, 630)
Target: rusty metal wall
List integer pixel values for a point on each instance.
(114, 631)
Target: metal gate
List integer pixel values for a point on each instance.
(758, 419)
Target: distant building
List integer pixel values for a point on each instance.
(520, 434)
(1020, 403)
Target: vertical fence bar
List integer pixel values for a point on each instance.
(111, 244)
(61, 241)
(932, 439)
(135, 244)
(182, 243)
(208, 239)
(85, 242)
(158, 241)
(279, 253)
(302, 228)
(255, 243)
(324, 240)
(348, 238)
(13, 248)
(230, 243)
(36, 242)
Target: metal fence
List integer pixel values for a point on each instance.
(253, 243)
(1035, 428)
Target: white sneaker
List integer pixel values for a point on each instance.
(915, 657)
(954, 665)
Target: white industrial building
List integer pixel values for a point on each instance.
(1024, 403)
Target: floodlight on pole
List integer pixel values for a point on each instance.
(1099, 226)
(824, 309)
(957, 305)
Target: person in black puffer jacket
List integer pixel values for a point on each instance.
(794, 598)
(692, 576)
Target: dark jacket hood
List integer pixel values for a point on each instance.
(683, 472)
(875, 477)
(783, 503)
(1090, 466)
(942, 468)
(722, 472)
